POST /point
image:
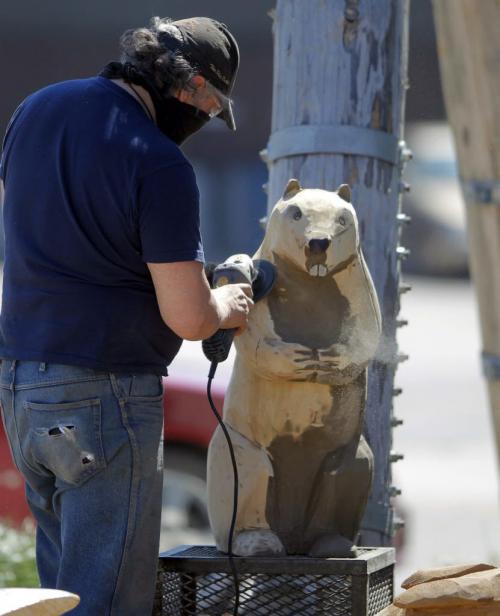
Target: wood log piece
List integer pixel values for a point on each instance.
(475, 609)
(465, 591)
(392, 610)
(36, 602)
(430, 575)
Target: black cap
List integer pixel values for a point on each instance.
(212, 50)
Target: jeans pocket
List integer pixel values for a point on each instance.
(66, 438)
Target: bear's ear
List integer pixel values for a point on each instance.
(292, 188)
(344, 192)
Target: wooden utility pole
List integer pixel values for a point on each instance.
(338, 108)
(468, 34)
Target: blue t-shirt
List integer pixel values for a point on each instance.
(93, 192)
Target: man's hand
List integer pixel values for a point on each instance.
(235, 302)
(190, 308)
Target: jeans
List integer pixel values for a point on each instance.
(90, 446)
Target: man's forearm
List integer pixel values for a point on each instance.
(209, 321)
(190, 308)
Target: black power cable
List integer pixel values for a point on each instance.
(261, 275)
(211, 374)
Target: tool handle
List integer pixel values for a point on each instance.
(217, 347)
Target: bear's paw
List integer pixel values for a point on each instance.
(259, 542)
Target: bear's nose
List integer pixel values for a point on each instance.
(317, 246)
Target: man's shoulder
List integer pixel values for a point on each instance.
(108, 122)
(77, 94)
(69, 87)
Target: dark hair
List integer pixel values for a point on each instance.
(142, 48)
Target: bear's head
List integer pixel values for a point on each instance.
(315, 229)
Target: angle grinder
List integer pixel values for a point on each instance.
(258, 273)
(261, 275)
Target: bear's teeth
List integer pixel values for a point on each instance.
(318, 270)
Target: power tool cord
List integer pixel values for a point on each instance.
(211, 374)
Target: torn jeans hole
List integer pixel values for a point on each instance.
(60, 429)
(87, 458)
(65, 439)
(68, 431)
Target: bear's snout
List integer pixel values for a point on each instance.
(318, 246)
(316, 256)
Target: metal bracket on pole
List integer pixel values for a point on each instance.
(342, 139)
(491, 365)
(482, 191)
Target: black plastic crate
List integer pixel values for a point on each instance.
(197, 581)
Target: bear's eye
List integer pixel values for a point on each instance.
(295, 212)
(341, 221)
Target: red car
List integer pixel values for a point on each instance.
(189, 423)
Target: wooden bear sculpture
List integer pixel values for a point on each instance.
(295, 402)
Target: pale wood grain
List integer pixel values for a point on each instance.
(482, 586)
(468, 35)
(295, 403)
(36, 602)
(430, 575)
